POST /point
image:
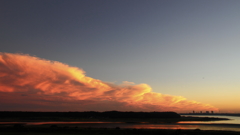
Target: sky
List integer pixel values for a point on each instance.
(153, 55)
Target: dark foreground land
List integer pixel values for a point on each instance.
(111, 116)
(108, 116)
(64, 130)
(81, 116)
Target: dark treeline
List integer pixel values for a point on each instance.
(89, 114)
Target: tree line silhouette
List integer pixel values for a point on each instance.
(89, 114)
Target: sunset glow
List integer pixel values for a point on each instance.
(34, 84)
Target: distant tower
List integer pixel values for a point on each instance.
(212, 112)
(193, 111)
(200, 111)
(207, 111)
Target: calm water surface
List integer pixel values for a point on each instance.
(231, 125)
(233, 119)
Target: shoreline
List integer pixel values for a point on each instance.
(120, 125)
(64, 130)
(64, 125)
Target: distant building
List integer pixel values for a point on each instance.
(212, 112)
(207, 111)
(193, 111)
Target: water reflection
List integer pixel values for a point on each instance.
(161, 126)
(231, 125)
(232, 119)
(49, 123)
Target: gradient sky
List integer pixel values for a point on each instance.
(186, 48)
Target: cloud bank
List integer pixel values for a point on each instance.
(33, 84)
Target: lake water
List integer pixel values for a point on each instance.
(230, 125)
(233, 119)
(233, 124)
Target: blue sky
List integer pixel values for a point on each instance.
(188, 48)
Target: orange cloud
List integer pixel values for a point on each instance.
(34, 84)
